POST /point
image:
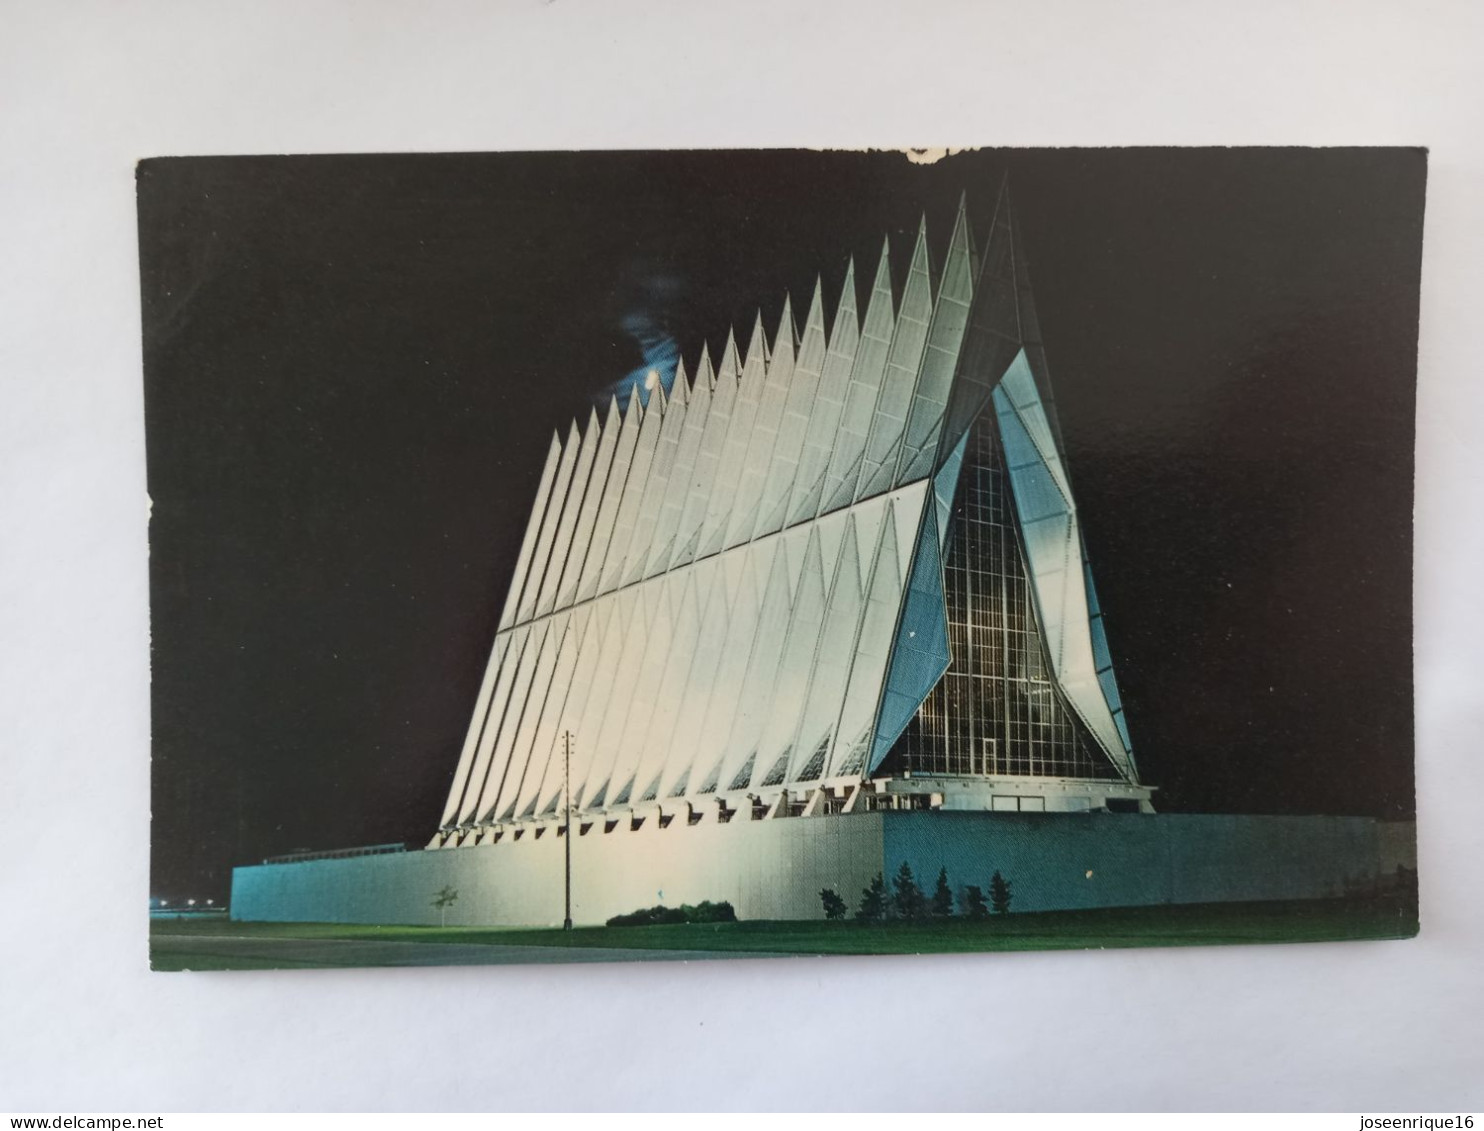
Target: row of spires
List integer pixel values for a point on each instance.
(769, 345)
(807, 423)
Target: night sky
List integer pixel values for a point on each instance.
(353, 366)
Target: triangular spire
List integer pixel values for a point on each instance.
(681, 389)
(903, 369)
(731, 366)
(921, 439)
(533, 530)
(781, 364)
(961, 242)
(992, 337)
(787, 336)
(812, 344)
(920, 256)
(882, 283)
(866, 373)
(815, 317)
(698, 397)
(845, 309)
(757, 350)
(956, 282)
(920, 253)
(961, 220)
(704, 373)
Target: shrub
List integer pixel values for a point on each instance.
(708, 912)
(648, 917)
(703, 912)
(834, 906)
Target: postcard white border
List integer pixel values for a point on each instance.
(89, 87)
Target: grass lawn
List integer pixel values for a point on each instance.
(1187, 925)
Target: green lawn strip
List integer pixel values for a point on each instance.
(1187, 925)
(172, 960)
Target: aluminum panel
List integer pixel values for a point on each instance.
(541, 556)
(900, 378)
(829, 403)
(533, 531)
(561, 546)
(793, 429)
(940, 357)
(860, 397)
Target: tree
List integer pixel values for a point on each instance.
(834, 906)
(974, 905)
(443, 901)
(942, 896)
(908, 901)
(708, 912)
(872, 907)
(999, 893)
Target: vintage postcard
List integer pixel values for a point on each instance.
(630, 555)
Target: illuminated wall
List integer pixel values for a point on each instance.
(776, 869)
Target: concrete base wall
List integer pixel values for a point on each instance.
(766, 869)
(774, 869)
(1064, 862)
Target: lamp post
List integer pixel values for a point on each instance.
(567, 790)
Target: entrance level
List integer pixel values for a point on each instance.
(1006, 794)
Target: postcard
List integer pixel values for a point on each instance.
(690, 554)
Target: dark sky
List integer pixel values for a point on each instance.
(353, 366)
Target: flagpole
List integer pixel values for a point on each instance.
(567, 789)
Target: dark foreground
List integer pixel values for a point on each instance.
(219, 945)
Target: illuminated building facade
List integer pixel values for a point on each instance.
(838, 571)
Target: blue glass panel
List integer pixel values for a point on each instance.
(1102, 657)
(920, 655)
(945, 484)
(1036, 489)
(1100, 654)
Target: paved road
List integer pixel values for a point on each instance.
(176, 951)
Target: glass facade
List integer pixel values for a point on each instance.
(998, 710)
